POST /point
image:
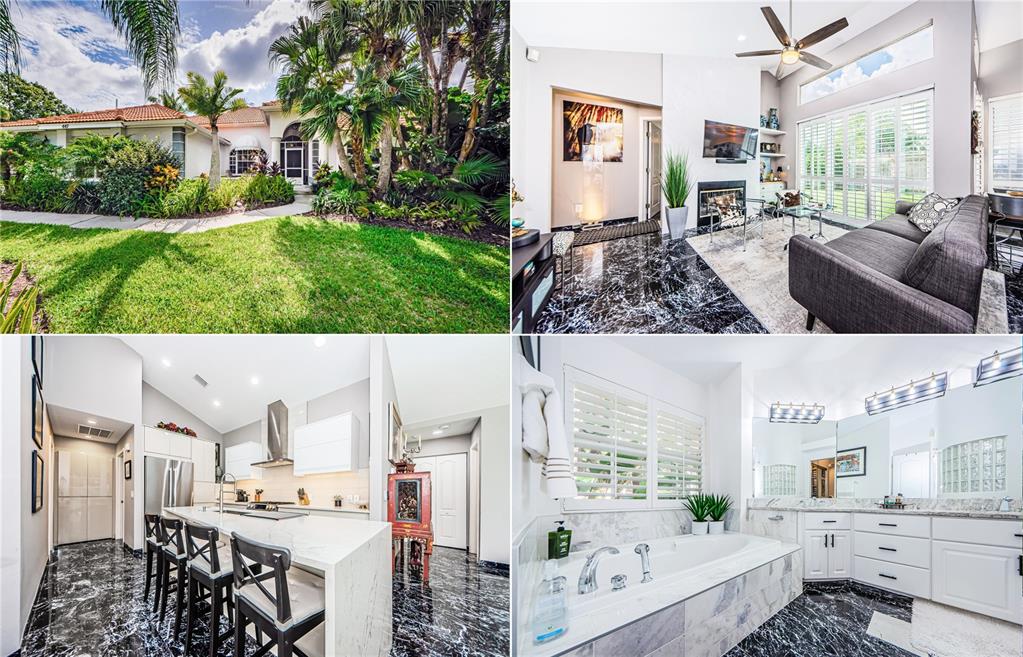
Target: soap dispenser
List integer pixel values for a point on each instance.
(550, 612)
(559, 541)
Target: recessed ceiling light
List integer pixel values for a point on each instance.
(320, 341)
(437, 432)
(444, 426)
(216, 402)
(742, 37)
(92, 421)
(254, 380)
(166, 362)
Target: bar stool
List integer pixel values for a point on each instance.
(292, 616)
(152, 548)
(174, 558)
(209, 566)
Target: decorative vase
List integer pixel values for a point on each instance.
(716, 527)
(699, 528)
(772, 118)
(677, 221)
(763, 121)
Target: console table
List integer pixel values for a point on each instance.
(533, 279)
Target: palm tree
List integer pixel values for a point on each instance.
(150, 29)
(486, 42)
(211, 101)
(168, 99)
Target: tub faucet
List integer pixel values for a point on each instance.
(643, 550)
(588, 576)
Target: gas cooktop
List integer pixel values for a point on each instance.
(265, 506)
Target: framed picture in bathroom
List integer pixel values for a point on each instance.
(851, 462)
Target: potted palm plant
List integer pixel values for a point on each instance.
(717, 507)
(676, 183)
(697, 506)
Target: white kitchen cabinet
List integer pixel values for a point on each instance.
(179, 445)
(101, 472)
(100, 518)
(72, 520)
(157, 441)
(73, 474)
(204, 456)
(815, 555)
(827, 554)
(238, 460)
(981, 578)
(329, 445)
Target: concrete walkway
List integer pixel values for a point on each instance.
(302, 204)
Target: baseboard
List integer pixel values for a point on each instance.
(497, 567)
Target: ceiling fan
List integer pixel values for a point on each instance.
(792, 50)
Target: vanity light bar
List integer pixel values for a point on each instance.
(915, 391)
(797, 413)
(999, 366)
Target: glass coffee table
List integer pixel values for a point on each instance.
(810, 212)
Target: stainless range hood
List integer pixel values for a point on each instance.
(276, 436)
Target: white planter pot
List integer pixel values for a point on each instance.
(699, 528)
(677, 221)
(716, 527)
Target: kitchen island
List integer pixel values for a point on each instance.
(352, 556)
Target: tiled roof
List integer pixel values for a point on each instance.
(152, 112)
(249, 115)
(272, 103)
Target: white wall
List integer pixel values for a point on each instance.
(999, 75)
(495, 485)
(872, 433)
(448, 445)
(634, 77)
(381, 393)
(949, 71)
(728, 451)
(702, 88)
(127, 446)
(158, 407)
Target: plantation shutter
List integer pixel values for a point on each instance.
(915, 147)
(609, 436)
(1007, 141)
(679, 454)
(883, 157)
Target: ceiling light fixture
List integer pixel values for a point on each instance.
(444, 426)
(254, 380)
(437, 432)
(796, 413)
(320, 341)
(216, 402)
(742, 37)
(166, 362)
(999, 366)
(913, 392)
(91, 421)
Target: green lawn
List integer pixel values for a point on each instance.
(283, 275)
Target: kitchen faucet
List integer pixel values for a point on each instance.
(588, 576)
(643, 550)
(233, 481)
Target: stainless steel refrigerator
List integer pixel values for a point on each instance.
(168, 483)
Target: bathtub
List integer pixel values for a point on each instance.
(682, 567)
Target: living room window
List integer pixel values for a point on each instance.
(862, 159)
(628, 449)
(1006, 142)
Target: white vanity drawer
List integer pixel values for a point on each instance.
(1003, 533)
(894, 576)
(823, 520)
(895, 524)
(896, 549)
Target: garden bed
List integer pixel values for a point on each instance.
(23, 281)
(487, 233)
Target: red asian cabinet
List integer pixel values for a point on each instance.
(409, 508)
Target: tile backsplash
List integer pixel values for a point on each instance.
(281, 484)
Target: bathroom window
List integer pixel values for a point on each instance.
(628, 449)
(977, 466)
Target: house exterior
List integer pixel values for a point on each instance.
(243, 135)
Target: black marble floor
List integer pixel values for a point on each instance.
(829, 619)
(90, 603)
(643, 284)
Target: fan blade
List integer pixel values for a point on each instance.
(781, 65)
(757, 53)
(814, 60)
(776, 26)
(823, 33)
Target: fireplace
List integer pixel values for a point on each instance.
(727, 197)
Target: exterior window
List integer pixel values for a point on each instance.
(178, 146)
(242, 159)
(861, 160)
(628, 449)
(315, 150)
(908, 50)
(1006, 144)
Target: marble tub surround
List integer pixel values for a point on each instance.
(352, 556)
(953, 508)
(684, 567)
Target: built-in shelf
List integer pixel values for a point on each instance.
(772, 155)
(771, 132)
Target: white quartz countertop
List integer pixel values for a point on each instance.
(837, 508)
(318, 542)
(307, 507)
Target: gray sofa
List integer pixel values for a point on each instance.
(891, 277)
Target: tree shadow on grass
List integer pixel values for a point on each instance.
(367, 278)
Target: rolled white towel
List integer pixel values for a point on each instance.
(543, 431)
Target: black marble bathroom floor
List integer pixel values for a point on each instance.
(828, 620)
(90, 603)
(643, 284)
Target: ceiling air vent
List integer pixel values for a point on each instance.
(201, 381)
(95, 432)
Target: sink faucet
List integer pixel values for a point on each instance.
(588, 576)
(643, 550)
(233, 481)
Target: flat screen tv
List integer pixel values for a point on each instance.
(729, 142)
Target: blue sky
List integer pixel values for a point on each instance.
(70, 48)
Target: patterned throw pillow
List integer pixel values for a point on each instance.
(931, 209)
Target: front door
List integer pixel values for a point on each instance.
(294, 162)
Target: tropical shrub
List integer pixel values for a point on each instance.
(190, 197)
(40, 188)
(321, 176)
(17, 315)
(17, 150)
(343, 196)
(87, 155)
(123, 187)
(82, 197)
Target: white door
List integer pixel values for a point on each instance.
(815, 555)
(653, 169)
(450, 499)
(72, 521)
(911, 474)
(979, 578)
(840, 555)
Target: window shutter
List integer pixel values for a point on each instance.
(679, 455)
(609, 434)
(1007, 141)
(915, 131)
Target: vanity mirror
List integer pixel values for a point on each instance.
(793, 460)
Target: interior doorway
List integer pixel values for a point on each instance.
(652, 151)
(449, 476)
(822, 478)
(119, 496)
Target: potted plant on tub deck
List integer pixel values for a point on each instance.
(717, 508)
(697, 505)
(676, 183)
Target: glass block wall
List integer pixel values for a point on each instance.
(977, 466)
(779, 480)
